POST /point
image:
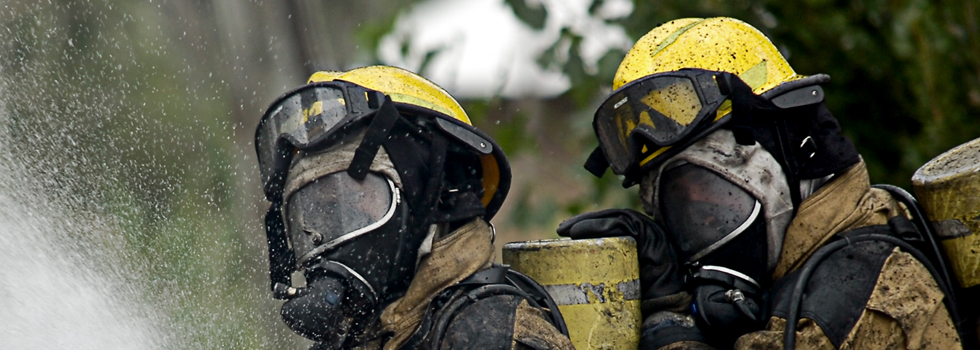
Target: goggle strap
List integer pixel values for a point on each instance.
(597, 162)
(376, 133)
(281, 259)
(743, 102)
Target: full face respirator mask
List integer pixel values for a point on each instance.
(720, 235)
(339, 221)
(350, 238)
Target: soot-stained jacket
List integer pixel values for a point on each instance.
(504, 321)
(869, 295)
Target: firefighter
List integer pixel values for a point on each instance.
(381, 194)
(745, 177)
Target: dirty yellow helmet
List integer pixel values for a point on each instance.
(718, 44)
(294, 122)
(402, 86)
(669, 88)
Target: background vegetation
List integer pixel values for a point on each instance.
(142, 114)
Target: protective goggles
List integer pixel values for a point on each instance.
(336, 209)
(309, 115)
(702, 210)
(305, 117)
(644, 118)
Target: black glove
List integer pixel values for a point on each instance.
(659, 268)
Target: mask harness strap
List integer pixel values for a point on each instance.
(433, 188)
(281, 259)
(376, 134)
(743, 103)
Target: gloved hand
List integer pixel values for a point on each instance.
(659, 267)
(666, 306)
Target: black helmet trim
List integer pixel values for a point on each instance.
(791, 85)
(490, 153)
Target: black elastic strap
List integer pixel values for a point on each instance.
(597, 162)
(380, 127)
(743, 103)
(281, 259)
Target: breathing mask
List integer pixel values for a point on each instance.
(357, 178)
(720, 237)
(726, 207)
(335, 224)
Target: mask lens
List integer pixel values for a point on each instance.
(300, 118)
(702, 210)
(661, 108)
(335, 208)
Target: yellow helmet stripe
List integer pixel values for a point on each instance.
(673, 37)
(755, 76)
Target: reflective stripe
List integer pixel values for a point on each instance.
(588, 293)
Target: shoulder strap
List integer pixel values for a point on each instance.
(838, 289)
(900, 228)
(538, 295)
(497, 280)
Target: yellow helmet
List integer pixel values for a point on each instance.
(679, 82)
(410, 94)
(403, 86)
(718, 44)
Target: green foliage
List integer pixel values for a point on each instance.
(534, 14)
(905, 74)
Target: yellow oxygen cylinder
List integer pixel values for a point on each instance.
(948, 188)
(595, 282)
